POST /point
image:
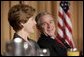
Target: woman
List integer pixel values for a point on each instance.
(21, 18)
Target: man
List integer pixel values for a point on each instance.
(46, 25)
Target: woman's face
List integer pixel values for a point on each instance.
(30, 25)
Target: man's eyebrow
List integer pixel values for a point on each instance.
(43, 22)
(51, 20)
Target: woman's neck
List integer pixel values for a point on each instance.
(23, 34)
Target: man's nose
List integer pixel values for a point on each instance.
(48, 25)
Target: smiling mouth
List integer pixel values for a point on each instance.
(48, 30)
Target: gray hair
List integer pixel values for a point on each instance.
(38, 18)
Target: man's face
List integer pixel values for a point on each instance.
(48, 25)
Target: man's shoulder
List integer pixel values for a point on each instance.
(43, 41)
(46, 39)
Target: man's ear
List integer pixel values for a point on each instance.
(39, 28)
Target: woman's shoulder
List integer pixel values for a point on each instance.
(31, 40)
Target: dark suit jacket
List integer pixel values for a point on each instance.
(55, 48)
